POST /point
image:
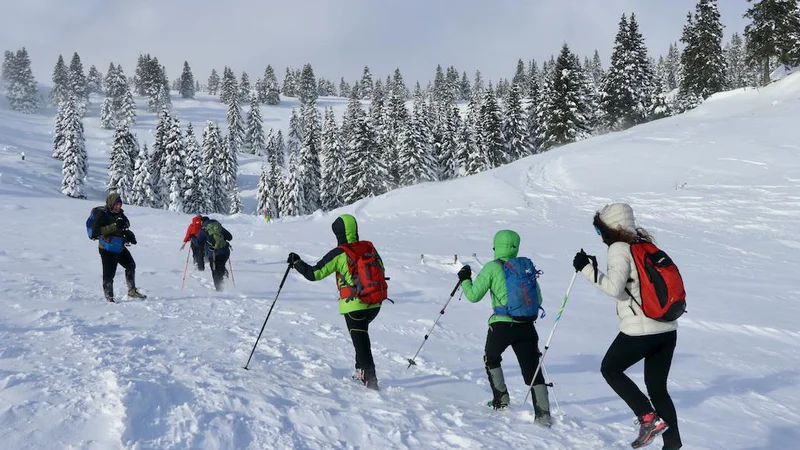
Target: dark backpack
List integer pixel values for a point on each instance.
(216, 238)
(111, 244)
(367, 273)
(90, 221)
(660, 283)
(522, 290)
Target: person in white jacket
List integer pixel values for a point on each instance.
(640, 337)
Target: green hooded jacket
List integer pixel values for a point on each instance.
(491, 278)
(345, 228)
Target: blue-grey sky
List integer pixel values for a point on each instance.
(338, 37)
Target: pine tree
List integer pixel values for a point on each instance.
(78, 83)
(173, 169)
(244, 88)
(515, 125)
(141, 191)
(21, 90)
(289, 86)
(307, 89)
(235, 128)
(60, 129)
(265, 198)
(276, 181)
(309, 162)
(738, 74)
(365, 173)
(702, 58)
(465, 88)
(160, 196)
(295, 136)
(254, 142)
(673, 67)
(194, 194)
(471, 156)
(279, 149)
(332, 164)
(94, 81)
(235, 201)
(228, 164)
(213, 83)
(366, 85)
(291, 200)
(61, 82)
(492, 142)
(449, 143)
(416, 161)
(126, 114)
(273, 96)
(212, 148)
(395, 121)
(74, 167)
(229, 88)
(120, 169)
(773, 33)
(186, 82)
(563, 113)
(8, 69)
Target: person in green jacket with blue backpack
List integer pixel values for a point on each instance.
(516, 301)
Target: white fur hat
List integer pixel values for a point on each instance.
(618, 215)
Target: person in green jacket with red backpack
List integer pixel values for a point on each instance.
(516, 301)
(362, 287)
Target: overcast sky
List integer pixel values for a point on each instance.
(338, 37)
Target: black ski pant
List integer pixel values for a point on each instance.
(198, 256)
(657, 351)
(523, 339)
(358, 327)
(217, 263)
(110, 261)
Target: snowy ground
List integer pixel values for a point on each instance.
(719, 187)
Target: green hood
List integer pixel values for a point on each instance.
(110, 199)
(345, 228)
(506, 244)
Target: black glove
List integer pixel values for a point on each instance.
(129, 237)
(121, 223)
(465, 273)
(293, 259)
(581, 260)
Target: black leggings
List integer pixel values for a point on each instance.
(110, 261)
(523, 339)
(358, 327)
(657, 351)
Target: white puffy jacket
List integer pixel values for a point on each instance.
(621, 274)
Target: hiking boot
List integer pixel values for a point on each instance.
(134, 293)
(108, 291)
(110, 299)
(497, 382)
(498, 404)
(369, 378)
(650, 426)
(541, 406)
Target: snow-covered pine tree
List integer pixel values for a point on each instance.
(21, 90)
(107, 114)
(186, 82)
(673, 67)
(273, 90)
(366, 85)
(416, 160)
(280, 149)
(228, 166)
(214, 190)
(75, 166)
(470, 155)
(235, 201)
(309, 162)
(465, 88)
(291, 201)
(254, 142)
(94, 81)
(563, 114)
(229, 88)
(344, 88)
(159, 197)
(61, 82)
(265, 198)
(365, 173)
(515, 125)
(449, 143)
(738, 71)
(60, 129)
(213, 83)
(173, 169)
(332, 164)
(295, 136)
(126, 114)
(774, 33)
(141, 190)
(289, 87)
(395, 118)
(244, 88)
(702, 58)
(77, 80)
(276, 181)
(120, 169)
(8, 68)
(492, 142)
(520, 77)
(307, 89)
(194, 194)
(235, 128)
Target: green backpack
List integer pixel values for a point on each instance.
(216, 239)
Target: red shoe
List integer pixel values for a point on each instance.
(650, 426)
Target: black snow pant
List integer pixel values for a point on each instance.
(524, 340)
(218, 271)
(198, 256)
(657, 351)
(110, 261)
(358, 327)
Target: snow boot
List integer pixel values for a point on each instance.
(497, 381)
(108, 291)
(130, 278)
(370, 380)
(650, 426)
(541, 406)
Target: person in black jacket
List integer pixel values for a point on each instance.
(110, 228)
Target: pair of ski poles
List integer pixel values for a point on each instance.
(186, 267)
(540, 366)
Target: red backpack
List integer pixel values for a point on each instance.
(366, 271)
(660, 283)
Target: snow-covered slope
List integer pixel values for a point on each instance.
(719, 187)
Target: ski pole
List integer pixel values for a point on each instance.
(288, 268)
(185, 267)
(411, 361)
(552, 331)
(552, 389)
(233, 279)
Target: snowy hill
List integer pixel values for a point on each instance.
(719, 187)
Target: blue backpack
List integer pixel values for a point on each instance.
(522, 290)
(112, 244)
